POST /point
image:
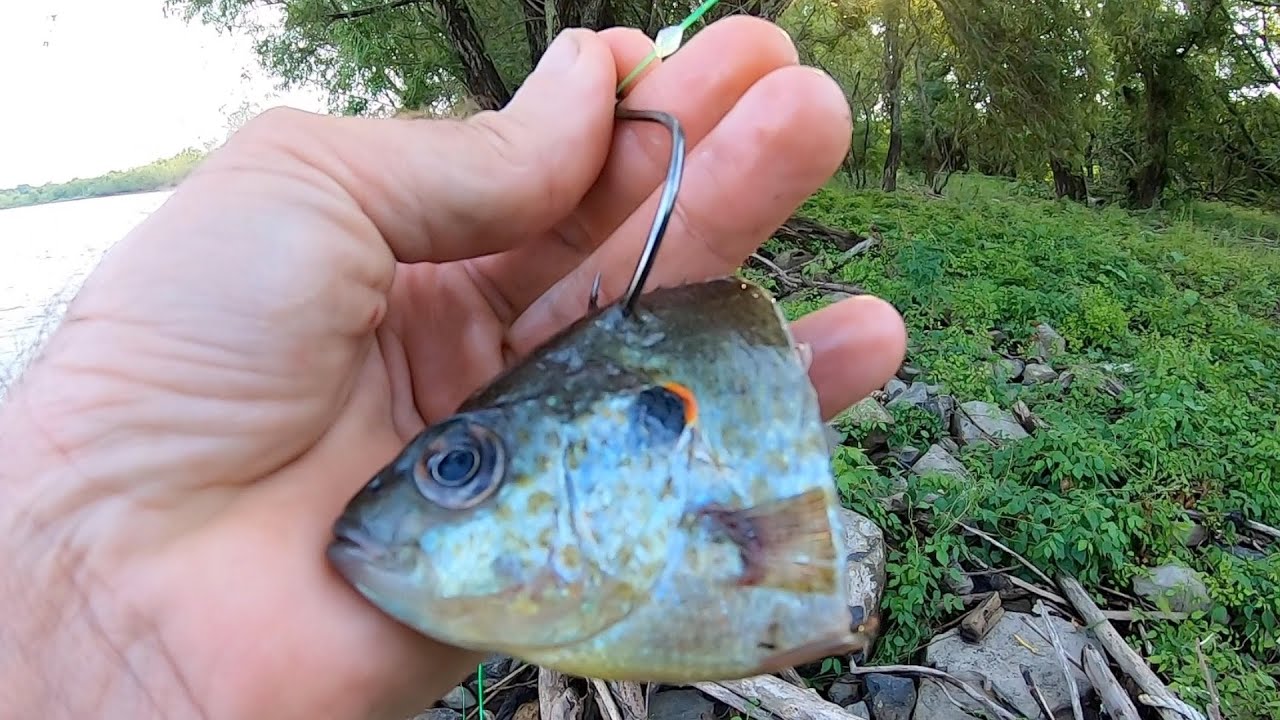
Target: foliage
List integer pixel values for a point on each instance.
(1188, 300)
(157, 175)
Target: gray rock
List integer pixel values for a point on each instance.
(864, 565)
(685, 704)
(1035, 373)
(908, 373)
(1245, 553)
(843, 691)
(438, 714)
(890, 697)
(949, 445)
(1048, 343)
(977, 421)
(459, 698)
(1008, 369)
(859, 710)
(1194, 535)
(894, 387)
(942, 407)
(791, 258)
(959, 582)
(916, 394)
(936, 459)
(999, 657)
(906, 456)
(1180, 586)
(867, 414)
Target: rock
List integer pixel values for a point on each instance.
(1180, 586)
(459, 698)
(997, 336)
(949, 445)
(1008, 369)
(439, 714)
(916, 394)
(1194, 535)
(894, 387)
(959, 582)
(1048, 343)
(684, 704)
(864, 565)
(890, 697)
(496, 667)
(843, 691)
(908, 373)
(977, 421)
(1035, 373)
(859, 710)
(866, 415)
(1245, 553)
(998, 658)
(1027, 419)
(942, 407)
(936, 459)
(906, 456)
(528, 711)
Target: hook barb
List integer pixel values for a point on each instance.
(666, 203)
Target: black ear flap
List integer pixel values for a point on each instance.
(661, 413)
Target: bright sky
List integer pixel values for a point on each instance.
(98, 85)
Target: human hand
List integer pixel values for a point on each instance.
(318, 290)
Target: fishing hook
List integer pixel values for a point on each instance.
(666, 203)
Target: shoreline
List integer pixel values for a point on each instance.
(94, 196)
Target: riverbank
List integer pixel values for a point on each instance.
(160, 175)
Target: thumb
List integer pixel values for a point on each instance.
(443, 189)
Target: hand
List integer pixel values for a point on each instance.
(318, 290)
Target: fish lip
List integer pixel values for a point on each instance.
(352, 546)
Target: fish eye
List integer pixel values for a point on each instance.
(462, 463)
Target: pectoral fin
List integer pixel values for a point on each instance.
(785, 543)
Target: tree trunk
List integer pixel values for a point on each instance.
(1067, 181)
(1152, 175)
(535, 29)
(480, 74)
(892, 96)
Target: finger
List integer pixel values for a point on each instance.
(781, 142)
(447, 189)
(858, 344)
(699, 85)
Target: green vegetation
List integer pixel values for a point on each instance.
(1190, 298)
(157, 175)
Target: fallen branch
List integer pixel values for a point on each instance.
(1215, 701)
(781, 698)
(1035, 692)
(1114, 699)
(1025, 562)
(807, 233)
(922, 671)
(1253, 525)
(727, 697)
(792, 283)
(1072, 689)
(607, 706)
(556, 700)
(1124, 656)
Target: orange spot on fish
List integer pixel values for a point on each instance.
(686, 396)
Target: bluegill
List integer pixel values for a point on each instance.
(644, 497)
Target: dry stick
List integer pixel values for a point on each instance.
(1180, 708)
(794, 283)
(1114, 698)
(631, 700)
(1035, 692)
(790, 675)
(1129, 660)
(606, 699)
(783, 699)
(1025, 562)
(1215, 702)
(493, 689)
(1072, 689)
(729, 698)
(922, 671)
(1253, 525)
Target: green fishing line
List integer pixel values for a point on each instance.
(666, 42)
(480, 689)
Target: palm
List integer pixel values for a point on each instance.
(309, 299)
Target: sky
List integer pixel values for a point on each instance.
(97, 85)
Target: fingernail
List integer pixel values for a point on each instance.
(562, 53)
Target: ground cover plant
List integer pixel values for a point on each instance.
(1185, 303)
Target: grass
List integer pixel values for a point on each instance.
(1190, 297)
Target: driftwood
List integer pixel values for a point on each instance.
(1036, 694)
(631, 700)
(1114, 699)
(791, 283)
(727, 697)
(1124, 656)
(981, 619)
(1072, 689)
(556, 700)
(782, 699)
(792, 676)
(809, 233)
(1215, 701)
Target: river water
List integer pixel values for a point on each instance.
(46, 251)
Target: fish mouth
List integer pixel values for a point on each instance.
(353, 550)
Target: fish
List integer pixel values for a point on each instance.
(647, 496)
